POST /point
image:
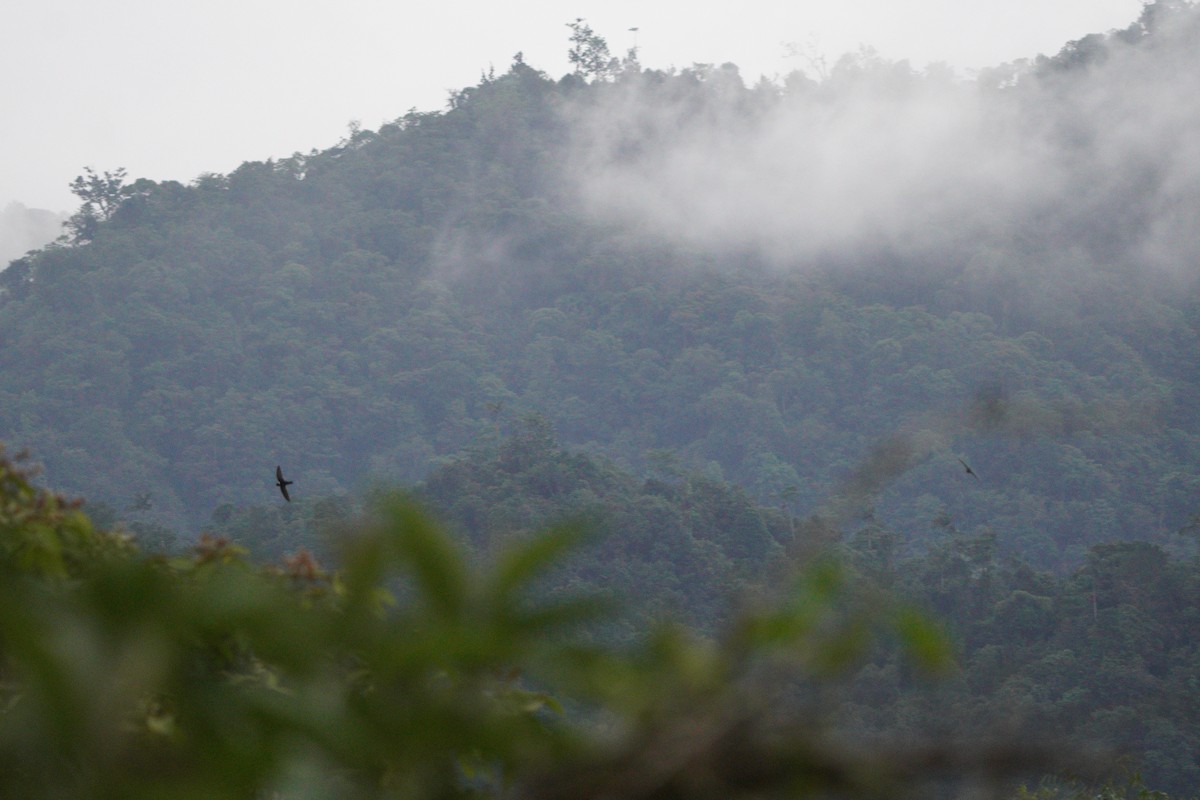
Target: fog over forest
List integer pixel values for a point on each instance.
(23, 229)
(876, 159)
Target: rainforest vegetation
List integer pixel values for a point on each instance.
(833, 433)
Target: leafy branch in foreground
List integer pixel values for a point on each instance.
(409, 672)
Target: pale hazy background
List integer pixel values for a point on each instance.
(170, 90)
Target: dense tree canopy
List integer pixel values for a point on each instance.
(422, 666)
(360, 311)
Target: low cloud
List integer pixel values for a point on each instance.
(1093, 152)
(23, 229)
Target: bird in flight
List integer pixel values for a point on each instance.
(970, 471)
(282, 484)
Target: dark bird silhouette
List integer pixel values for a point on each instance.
(282, 484)
(970, 471)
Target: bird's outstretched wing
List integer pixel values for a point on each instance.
(281, 483)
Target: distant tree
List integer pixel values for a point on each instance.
(589, 52)
(630, 64)
(16, 278)
(101, 196)
(1156, 13)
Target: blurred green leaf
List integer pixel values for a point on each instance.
(436, 563)
(522, 562)
(923, 639)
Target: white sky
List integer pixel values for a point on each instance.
(170, 89)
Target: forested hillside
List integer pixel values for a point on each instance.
(811, 361)
(417, 669)
(1103, 658)
(357, 313)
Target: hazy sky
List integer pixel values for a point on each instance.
(170, 89)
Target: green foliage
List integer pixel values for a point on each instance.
(589, 52)
(44, 534)
(366, 310)
(682, 548)
(1100, 656)
(1131, 789)
(408, 672)
(102, 195)
(425, 303)
(204, 676)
